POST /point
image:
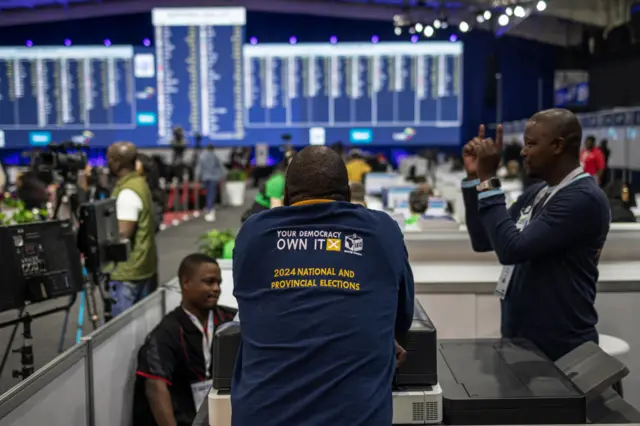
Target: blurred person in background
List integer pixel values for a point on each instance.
(95, 184)
(418, 205)
(134, 279)
(357, 193)
(174, 370)
(3, 178)
(357, 166)
(338, 148)
(512, 152)
(33, 189)
(210, 172)
(606, 152)
(178, 144)
(148, 168)
(592, 159)
(271, 192)
(379, 163)
(619, 200)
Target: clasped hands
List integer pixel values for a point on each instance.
(482, 156)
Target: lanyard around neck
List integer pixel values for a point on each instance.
(576, 174)
(207, 339)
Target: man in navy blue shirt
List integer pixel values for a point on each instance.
(549, 240)
(323, 288)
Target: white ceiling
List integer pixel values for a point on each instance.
(561, 24)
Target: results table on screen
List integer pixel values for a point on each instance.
(67, 88)
(353, 85)
(199, 75)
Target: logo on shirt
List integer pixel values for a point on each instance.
(353, 244)
(334, 244)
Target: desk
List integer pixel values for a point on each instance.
(606, 408)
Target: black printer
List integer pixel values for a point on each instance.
(421, 344)
(419, 369)
(497, 382)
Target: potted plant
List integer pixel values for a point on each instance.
(235, 187)
(214, 242)
(13, 211)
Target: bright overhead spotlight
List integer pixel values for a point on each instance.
(437, 24)
(508, 11)
(541, 6)
(519, 12)
(464, 27)
(503, 20)
(445, 24)
(480, 19)
(419, 27)
(486, 15)
(429, 31)
(397, 31)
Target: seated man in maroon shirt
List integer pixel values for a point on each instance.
(175, 363)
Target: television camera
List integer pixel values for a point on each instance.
(61, 158)
(65, 160)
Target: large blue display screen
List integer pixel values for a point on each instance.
(204, 78)
(199, 55)
(360, 93)
(92, 94)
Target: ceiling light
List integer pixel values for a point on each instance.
(397, 31)
(437, 24)
(429, 31)
(464, 27)
(508, 11)
(541, 6)
(519, 12)
(503, 20)
(480, 19)
(419, 27)
(487, 15)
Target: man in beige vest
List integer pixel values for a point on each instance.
(132, 280)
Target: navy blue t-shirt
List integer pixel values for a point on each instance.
(551, 295)
(322, 289)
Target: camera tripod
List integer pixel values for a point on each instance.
(27, 358)
(67, 192)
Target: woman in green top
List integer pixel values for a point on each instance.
(271, 193)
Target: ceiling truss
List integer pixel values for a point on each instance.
(561, 24)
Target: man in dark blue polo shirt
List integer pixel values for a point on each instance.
(323, 287)
(549, 240)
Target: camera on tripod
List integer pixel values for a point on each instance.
(98, 236)
(61, 158)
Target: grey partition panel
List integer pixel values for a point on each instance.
(115, 350)
(172, 295)
(56, 395)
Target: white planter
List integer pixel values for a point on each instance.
(235, 192)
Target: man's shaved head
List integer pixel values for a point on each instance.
(122, 157)
(316, 172)
(561, 123)
(552, 144)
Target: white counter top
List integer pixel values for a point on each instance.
(469, 278)
(482, 273)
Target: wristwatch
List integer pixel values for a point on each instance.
(489, 184)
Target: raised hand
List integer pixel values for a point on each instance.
(488, 155)
(469, 157)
